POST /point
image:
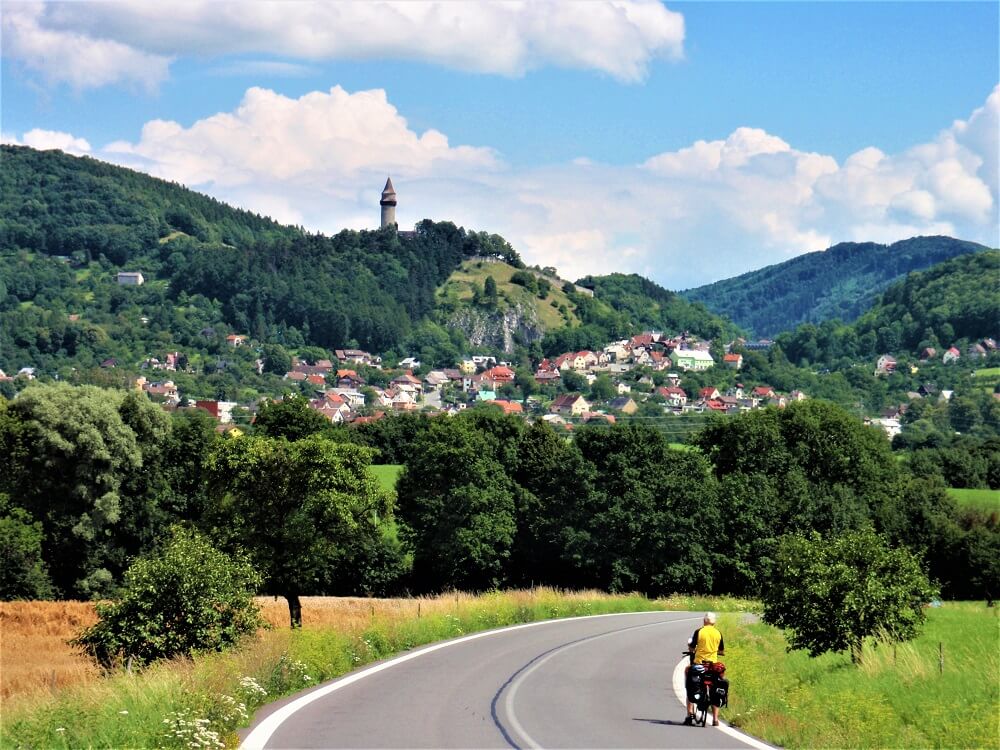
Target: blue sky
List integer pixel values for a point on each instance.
(687, 142)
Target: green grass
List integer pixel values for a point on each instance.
(896, 698)
(987, 372)
(387, 474)
(987, 501)
(470, 273)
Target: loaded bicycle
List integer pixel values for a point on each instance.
(706, 686)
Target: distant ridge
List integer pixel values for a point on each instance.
(841, 282)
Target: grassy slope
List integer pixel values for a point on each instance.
(460, 285)
(896, 698)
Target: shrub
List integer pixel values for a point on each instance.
(183, 598)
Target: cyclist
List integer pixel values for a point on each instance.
(707, 645)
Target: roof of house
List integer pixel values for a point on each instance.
(509, 407)
(567, 399)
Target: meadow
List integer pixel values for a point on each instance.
(987, 501)
(387, 474)
(941, 690)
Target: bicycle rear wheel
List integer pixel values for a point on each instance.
(701, 713)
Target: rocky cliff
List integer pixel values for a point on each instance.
(499, 328)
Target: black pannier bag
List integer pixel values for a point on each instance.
(720, 692)
(694, 682)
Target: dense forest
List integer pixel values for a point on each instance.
(841, 282)
(953, 304)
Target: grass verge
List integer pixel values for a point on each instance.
(897, 698)
(201, 702)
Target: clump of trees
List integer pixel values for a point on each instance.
(95, 479)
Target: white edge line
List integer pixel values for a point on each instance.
(260, 734)
(681, 694)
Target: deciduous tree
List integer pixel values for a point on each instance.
(830, 594)
(293, 506)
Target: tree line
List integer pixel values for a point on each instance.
(95, 478)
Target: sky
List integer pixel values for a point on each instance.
(687, 142)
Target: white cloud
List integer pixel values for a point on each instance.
(686, 217)
(67, 56)
(45, 140)
(89, 44)
(319, 138)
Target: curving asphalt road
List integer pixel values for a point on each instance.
(592, 682)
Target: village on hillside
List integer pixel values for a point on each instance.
(645, 374)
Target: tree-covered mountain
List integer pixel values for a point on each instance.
(953, 304)
(68, 225)
(841, 282)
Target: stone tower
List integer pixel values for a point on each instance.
(388, 204)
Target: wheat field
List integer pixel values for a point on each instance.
(34, 654)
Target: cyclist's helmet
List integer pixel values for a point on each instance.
(698, 668)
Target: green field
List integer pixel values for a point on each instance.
(898, 697)
(387, 474)
(987, 501)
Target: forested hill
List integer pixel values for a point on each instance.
(955, 303)
(69, 224)
(841, 282)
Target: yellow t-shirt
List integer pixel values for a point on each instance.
(708, 645)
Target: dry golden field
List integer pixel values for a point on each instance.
(35, 656)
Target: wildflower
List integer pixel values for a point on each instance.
(60, 729)
(123, 712)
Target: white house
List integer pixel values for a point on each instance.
(691, 359)
(130, 278)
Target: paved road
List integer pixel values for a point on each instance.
(596, 682)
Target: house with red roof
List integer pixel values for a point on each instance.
(509, 407)
(734, 361)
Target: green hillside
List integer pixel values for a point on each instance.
(841, 282)
(955, 303)
(69, 225)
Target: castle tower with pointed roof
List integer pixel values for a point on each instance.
(388, 204)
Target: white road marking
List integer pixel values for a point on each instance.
(508, 704)
(259, 735)
(681, 694)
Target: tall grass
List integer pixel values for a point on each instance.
(201, 702)
(898, 697)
